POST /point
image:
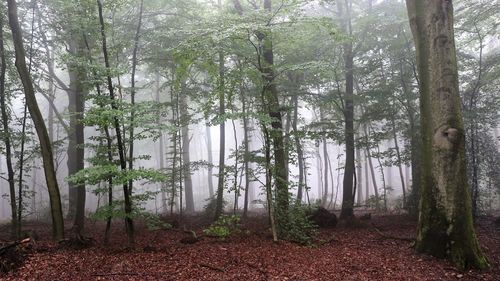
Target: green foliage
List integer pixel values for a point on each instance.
(154, 222)
(223, 227)
(297, 227)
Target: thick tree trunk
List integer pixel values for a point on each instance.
(41, 129)
(76, 152)
(445, 226)
(271, 95)
(347, 197)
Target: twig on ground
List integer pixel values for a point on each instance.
(392, 237)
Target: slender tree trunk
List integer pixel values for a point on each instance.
(372, 169)
(347, 212)
(269, 176)
(109, 141)
(367, 178)
(185, 119)
(41, 129)
(16, 229)
(359, 176)
(222, 131)
(222, 138)
(161, 144)
(445, 227)
(129, 224)
(415, 145)
(132, 96)
(298, 145)
(210, 168)
(246, 160)
(400, 161)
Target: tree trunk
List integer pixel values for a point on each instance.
(359, 177)
(273, 108)
(76, 152)
(129, 224)
(132, 96)
(185, 119)
(347, 212)
(246, 156)
(210, 168)
(298, 146)
(445, 227)
(222, 139)
(16, 228)
(400, 162)
(372, 170)
(41, 129)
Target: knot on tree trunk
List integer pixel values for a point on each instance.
(445, 138)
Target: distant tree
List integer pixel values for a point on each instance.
(445, 227)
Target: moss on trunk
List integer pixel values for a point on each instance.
(445, 220)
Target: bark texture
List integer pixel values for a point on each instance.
(445, 220)
(348, 183)
(41, 129)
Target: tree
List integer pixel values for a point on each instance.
(445, 227)
(221, 89)
(41, 129)
(344, 10)
(16, 228)
(129, 223)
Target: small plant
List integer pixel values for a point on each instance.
(223, 227)
(299, 228)
(154, 222)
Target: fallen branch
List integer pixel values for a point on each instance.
(393, 237)
(14, 244)
(212, 267)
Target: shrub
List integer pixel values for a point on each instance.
(298, 227)
(223, 227)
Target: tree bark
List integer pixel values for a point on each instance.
(210, 168)
(185, 119)
(16, 228)
(347, 211)
(271, 95)
(445, 227)
(76, 151)
(41, 129)
(129, 224)
(132, 96)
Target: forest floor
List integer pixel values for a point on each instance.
(373, 251)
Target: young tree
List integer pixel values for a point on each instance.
(41, 129)
(445, 227)
(16, 228)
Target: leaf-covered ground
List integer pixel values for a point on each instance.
(343, 253)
